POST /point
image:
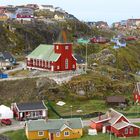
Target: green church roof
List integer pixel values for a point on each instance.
(44, 52)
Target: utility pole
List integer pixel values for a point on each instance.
(71, 110)
(86, 60)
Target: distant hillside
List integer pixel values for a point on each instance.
(18, 38)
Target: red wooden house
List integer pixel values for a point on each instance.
(136, 93)
(32, 110)
(57, 57)
(115, 123)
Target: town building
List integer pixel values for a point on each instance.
(31, 110)
(3, 17)
(56, 57)
(47, 7)
(136, 93)
(24, 14)
(115, 123)
(8, 57)
(116, 101)
(55, 129)
(80, 61)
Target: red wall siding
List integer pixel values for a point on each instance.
(65, 54)
(97, 126)
(121, 132)
(136, 96)
(122, 119)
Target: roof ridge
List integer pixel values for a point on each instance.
(116, 111)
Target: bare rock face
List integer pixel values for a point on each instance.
(104, 57)
(45, 82)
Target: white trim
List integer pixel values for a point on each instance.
(44, 104)
(101, 120)
(57, 58)
(64, 127)
(82, 123)
(74, 57)
(127, 124)
(121, 115)
(68, 133)
(41, 132)
(119, 118)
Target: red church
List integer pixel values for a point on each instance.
(136, 93)
(56, 57)
(115, 123)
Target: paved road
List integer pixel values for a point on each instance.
(20, 125)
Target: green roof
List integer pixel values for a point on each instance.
(53, 125)
(44, 52)
(83, 41)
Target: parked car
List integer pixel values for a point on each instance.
(6, 121)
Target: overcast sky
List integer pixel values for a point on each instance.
(91, 10)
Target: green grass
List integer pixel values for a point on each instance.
(88, 106)
(16, 135)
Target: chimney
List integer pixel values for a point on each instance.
(108, 114)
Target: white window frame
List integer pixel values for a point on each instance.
(66, 63)
(40, 132)
(66, 47)
(126, 131)
(58, 67)
(57, 47)
(67, 133)
(131, 130)
(57, 134)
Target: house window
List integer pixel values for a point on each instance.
(131, 130)
(66, 47)
(66, 133)
(57, 47)
(66, 64)
(126, 130)
(57, 134)
(40, 133)
(58, 67)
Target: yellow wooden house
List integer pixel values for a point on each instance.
(56, 129)
(3, 17)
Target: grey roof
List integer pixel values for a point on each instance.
(114, 115)
(53, 125)
(115, 99)
(7, 55)
(111, 116)
(31, 106)
(121, 125)
(102, 118)
(79, 59)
